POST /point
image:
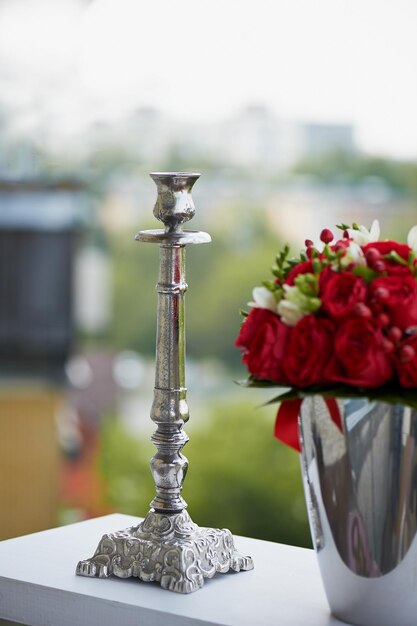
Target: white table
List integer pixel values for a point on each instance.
(38, 586)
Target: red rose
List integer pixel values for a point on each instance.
(324, 276)
(341, 292)
(305, 267)
(407, 368)
(399, 299)
(360, 358)
(308, 351)
(262, 340)
(385, 247)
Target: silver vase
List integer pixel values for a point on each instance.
(361, 491)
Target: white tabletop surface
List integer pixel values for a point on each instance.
(38, 586)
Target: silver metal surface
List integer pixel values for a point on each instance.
(169, 549)
(361, 492)
(167, 546)
(174, 204)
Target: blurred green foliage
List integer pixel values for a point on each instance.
(240, 477)
(400, 176)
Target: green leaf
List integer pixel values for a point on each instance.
(342, 226)
(327, 251)
(254, 382)
(313, 304)
(285, 395)
(394, 256)
(317, 265)
(364, 272)
(390, 393)
(269, 284)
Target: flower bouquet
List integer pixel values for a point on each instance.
(336, 329)
(340, 321)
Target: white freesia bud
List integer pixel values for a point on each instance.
(375, 231)
(363, 236)
(293, 306)
(354, 254)
(263, 299)
(412, 238)
(290, 313)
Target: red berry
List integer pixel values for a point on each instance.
(339, 246)
(362, 310)
(382, 320)
(309, 243)
(326, 235)
(407, 354)
(381, 293)
(387, 345)
(372, 255)
(379, 266)
(394, 333)
(345, 234)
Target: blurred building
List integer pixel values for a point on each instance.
(320, 139)
(254, 137)
(39, 225)
(257, 137)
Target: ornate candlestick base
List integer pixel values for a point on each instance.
(169, 549)
(167, 546)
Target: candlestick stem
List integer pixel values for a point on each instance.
(170, 409)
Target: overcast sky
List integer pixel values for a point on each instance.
(326, 60)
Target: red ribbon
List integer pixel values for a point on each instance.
(286, 423)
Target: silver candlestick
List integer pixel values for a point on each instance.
(167, 546)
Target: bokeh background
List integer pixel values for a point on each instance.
(298, 114)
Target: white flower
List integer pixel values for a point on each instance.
(364, 236)
(354, 254)
(290, 313)
(412, 238)
(263, 299)
(293, 306)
